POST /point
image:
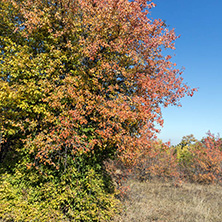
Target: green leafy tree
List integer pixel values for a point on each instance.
(184, 153)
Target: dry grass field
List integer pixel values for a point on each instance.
(162, 201)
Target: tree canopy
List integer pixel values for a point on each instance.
(82, 78)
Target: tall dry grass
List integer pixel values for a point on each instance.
(163, 201)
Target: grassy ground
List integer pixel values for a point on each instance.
(162, 201)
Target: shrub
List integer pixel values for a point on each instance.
(207, 160)
(79, 194)
(156, 160)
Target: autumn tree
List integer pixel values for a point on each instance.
(81, 81)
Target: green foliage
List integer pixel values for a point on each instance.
(184, 150)
(81, 193)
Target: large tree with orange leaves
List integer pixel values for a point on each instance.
(82, 78)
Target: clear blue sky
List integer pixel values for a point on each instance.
(199, 50)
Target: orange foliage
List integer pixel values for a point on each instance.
(207, 163)
(203, 164)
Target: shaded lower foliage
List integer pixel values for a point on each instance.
(84, 192)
